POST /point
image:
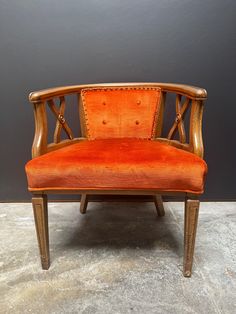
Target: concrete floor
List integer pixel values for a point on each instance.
(118, 258)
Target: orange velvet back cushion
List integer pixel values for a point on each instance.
(120, 112)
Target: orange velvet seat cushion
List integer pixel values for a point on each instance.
(117, 164)
(121, 112)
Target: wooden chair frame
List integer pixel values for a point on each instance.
(194, 98)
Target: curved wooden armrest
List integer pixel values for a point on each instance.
(192, 92)
(186, 90)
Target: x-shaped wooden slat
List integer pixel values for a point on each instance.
(179, 120)
(61, 122)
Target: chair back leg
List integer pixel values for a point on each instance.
(190, 228)
(40, 208)
(83, 203)
(159, 205)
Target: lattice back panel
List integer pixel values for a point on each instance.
(176, 118)
(63, 118)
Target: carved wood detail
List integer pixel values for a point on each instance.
(61, 121)
(179, 120)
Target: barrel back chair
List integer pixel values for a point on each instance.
(122, 150)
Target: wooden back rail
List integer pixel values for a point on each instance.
(194, 100)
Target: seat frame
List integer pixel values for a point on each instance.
(194, 98)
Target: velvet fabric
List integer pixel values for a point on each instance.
(120, 112)
(114, 164)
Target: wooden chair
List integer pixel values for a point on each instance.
(122, 150)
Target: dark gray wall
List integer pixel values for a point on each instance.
(49, 43)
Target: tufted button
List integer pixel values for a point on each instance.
(137, 122)
(104, 122)
(138, 102)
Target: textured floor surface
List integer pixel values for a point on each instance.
(118, 258)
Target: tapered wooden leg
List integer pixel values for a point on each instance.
(41, 223)
(190, 228)
(159, 205)
(83, 203)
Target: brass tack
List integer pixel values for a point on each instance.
(104, 103)
(137, 122)
(138, 102)
(104, 122)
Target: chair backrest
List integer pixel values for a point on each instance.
(120, 112)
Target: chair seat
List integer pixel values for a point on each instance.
(117, 164)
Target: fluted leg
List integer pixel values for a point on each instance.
(190, 228)
(41, 223)
(83, 203)
(159, 205)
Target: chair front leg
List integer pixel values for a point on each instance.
(40, 208)
(159, 205)
(190, 228)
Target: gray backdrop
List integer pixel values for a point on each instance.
(46, 43)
